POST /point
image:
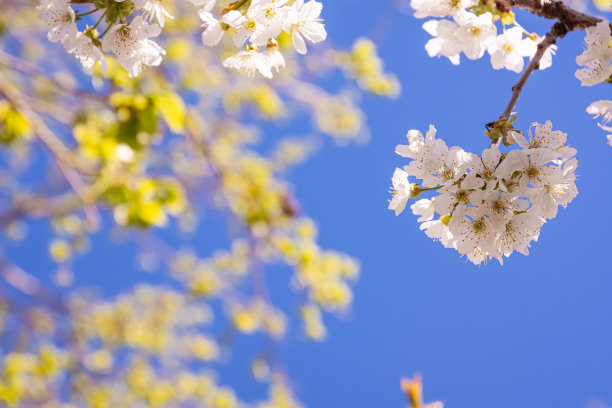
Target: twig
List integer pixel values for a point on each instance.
(548, 40)
(55, 146)
(558, 30)
(33, 70)
(554, 10)
(29, 285)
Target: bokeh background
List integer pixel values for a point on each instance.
(535, 332)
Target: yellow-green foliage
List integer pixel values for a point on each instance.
(125, 157)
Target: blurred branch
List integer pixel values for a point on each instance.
(29, 285)
(33, 70)
(60, 152)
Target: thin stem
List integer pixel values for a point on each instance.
(431, 188)
(99, 20)
(237, 5)
(549, 40)
(88, 13)
(105, 31)
(58, 150)
(558, 30)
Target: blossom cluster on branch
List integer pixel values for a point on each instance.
(493, 205)
(474, 32)
(258, 22)
(490, 205)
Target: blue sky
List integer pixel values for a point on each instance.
(535, 332)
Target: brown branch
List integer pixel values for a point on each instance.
(554, 10)
(534, 64)
(558, 30)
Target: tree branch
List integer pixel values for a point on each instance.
(554, 10)
(60, 152)
(534, 64)
(558, 30)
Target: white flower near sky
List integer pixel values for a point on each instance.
(152, 9)
(249, 27)
(473, 233)
(131, 44)
(597, 56)
(474, 33)
(543, 136)
(272, 15)
(604, 109)
(303, 21)
(213, 31)
(423, 207)
(427, 153)
(470, 34)
(601, 108)
(491, 205)
(440, 8)
(402, 191)
(84, 49)
(518, 232)
(59, 16)
(274, 57)
(559, 191)
(508, 50)
(444, 42)
(250, 61)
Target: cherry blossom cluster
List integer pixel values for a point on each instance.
(130, 43)
(488, 206)
(473, 33)
(259, 26)
(252, 25)
(597, 57)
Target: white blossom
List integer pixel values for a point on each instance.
(402, 191)
(84, 49)
(303, 21)
(153, 10)
(491, 205)
(213, 31)
(131, 44)
(469, 33)
(597, 56)
(274, 57)
(508, 50)
(439, 8)
(250, 61)
(59, 17)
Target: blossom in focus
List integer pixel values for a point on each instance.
(597, 56)
(490, 205)
(131, 44)
(250, 61)
(84, 49)
(303, 22)
(439, 8)
(59, 17)
(508, 50)
(604, 109)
